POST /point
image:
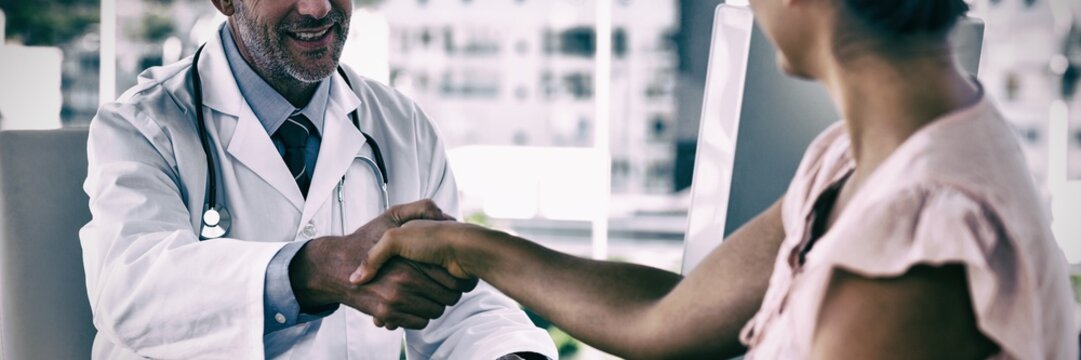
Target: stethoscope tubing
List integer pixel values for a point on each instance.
(204, 138)
(217, 217)
(341, 196)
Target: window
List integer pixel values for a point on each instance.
(57, 63)
(516, 99)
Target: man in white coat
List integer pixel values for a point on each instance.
(297, 177)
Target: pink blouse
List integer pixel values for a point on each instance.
(958, 191)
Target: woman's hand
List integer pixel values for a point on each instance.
(431, 242)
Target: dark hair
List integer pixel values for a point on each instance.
(902, 18)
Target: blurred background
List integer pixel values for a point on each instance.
(594, 136)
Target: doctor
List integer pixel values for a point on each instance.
(225, 191)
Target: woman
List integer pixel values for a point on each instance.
(911, 229)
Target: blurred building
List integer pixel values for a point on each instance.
(1025, 83)
(520, 72)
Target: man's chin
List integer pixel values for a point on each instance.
(311, 75)
(313, 66)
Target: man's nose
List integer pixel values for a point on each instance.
(314, 8)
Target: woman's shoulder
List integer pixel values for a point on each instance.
(894, 221)
(973, 149)
(971, 155)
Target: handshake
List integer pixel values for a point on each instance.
(403, 293)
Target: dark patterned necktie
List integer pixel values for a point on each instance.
(294, 134)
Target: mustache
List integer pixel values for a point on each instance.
(336, 16)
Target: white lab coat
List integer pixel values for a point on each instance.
(158, 292)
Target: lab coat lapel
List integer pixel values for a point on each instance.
(220, 91)
(249, 144)
(341, 144)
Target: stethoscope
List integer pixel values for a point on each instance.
(216, 219)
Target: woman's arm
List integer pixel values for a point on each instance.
(626, 309)
(924, 314)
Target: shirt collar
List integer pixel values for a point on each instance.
(269, 106)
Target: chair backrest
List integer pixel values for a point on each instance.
(44, 311)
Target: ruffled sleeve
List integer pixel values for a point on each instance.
(937, 226)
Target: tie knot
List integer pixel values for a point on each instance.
(295, 131)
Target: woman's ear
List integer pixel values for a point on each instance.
(226, 7)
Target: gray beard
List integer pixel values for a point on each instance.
(267, 48)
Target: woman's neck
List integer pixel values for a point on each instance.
(884, 101)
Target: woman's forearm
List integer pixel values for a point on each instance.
(605, 304)
(632, 310)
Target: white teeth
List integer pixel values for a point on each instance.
(310, 36)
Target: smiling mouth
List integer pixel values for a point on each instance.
(315, 35)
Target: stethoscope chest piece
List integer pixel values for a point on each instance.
(216, 222)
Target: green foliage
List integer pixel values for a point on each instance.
(49, 22)
(55, 22)
(156, 27)
(367, 3)
(478, 218)
(565, 344)
(1075, 280)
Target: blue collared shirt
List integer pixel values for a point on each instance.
(280, 306)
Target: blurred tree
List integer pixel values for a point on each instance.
(53, 22)
(49, 22)
(156, 27)
(367, 3)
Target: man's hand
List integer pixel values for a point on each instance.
(403, 292)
